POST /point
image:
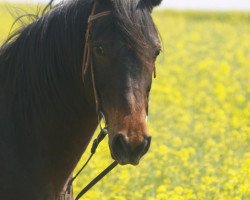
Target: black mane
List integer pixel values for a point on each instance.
(33, 58)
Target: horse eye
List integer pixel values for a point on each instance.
(100, 50)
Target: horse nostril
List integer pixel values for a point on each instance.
(143, 147)
(148, 139)
(124, 151)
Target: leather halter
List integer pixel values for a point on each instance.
(88, 61)
(87, 53)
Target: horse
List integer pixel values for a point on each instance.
(48, 105)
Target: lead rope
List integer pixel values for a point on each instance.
(95, 144)
(86, 58)
(95, 180)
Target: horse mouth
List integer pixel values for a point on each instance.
(125, 161)
(123, 152)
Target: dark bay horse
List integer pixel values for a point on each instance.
(48, 114)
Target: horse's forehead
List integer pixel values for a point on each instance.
(135, 26)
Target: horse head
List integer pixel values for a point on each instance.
(124, 47)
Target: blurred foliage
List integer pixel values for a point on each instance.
(199, 115)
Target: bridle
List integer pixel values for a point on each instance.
(88, 62)
(87, 53)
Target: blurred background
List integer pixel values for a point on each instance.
(199, 108)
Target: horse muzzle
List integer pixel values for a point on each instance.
(125, 151)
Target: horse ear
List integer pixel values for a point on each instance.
(154, 3)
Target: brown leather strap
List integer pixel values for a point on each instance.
(87, 48)
(87, 54)
(86, 51)
(88, 60)
(96, 16)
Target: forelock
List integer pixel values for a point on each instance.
(134, 21)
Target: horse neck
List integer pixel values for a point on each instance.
(71, 121)
(49, 107)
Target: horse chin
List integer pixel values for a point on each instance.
(123, 161)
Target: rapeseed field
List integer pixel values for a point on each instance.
(199, 115)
